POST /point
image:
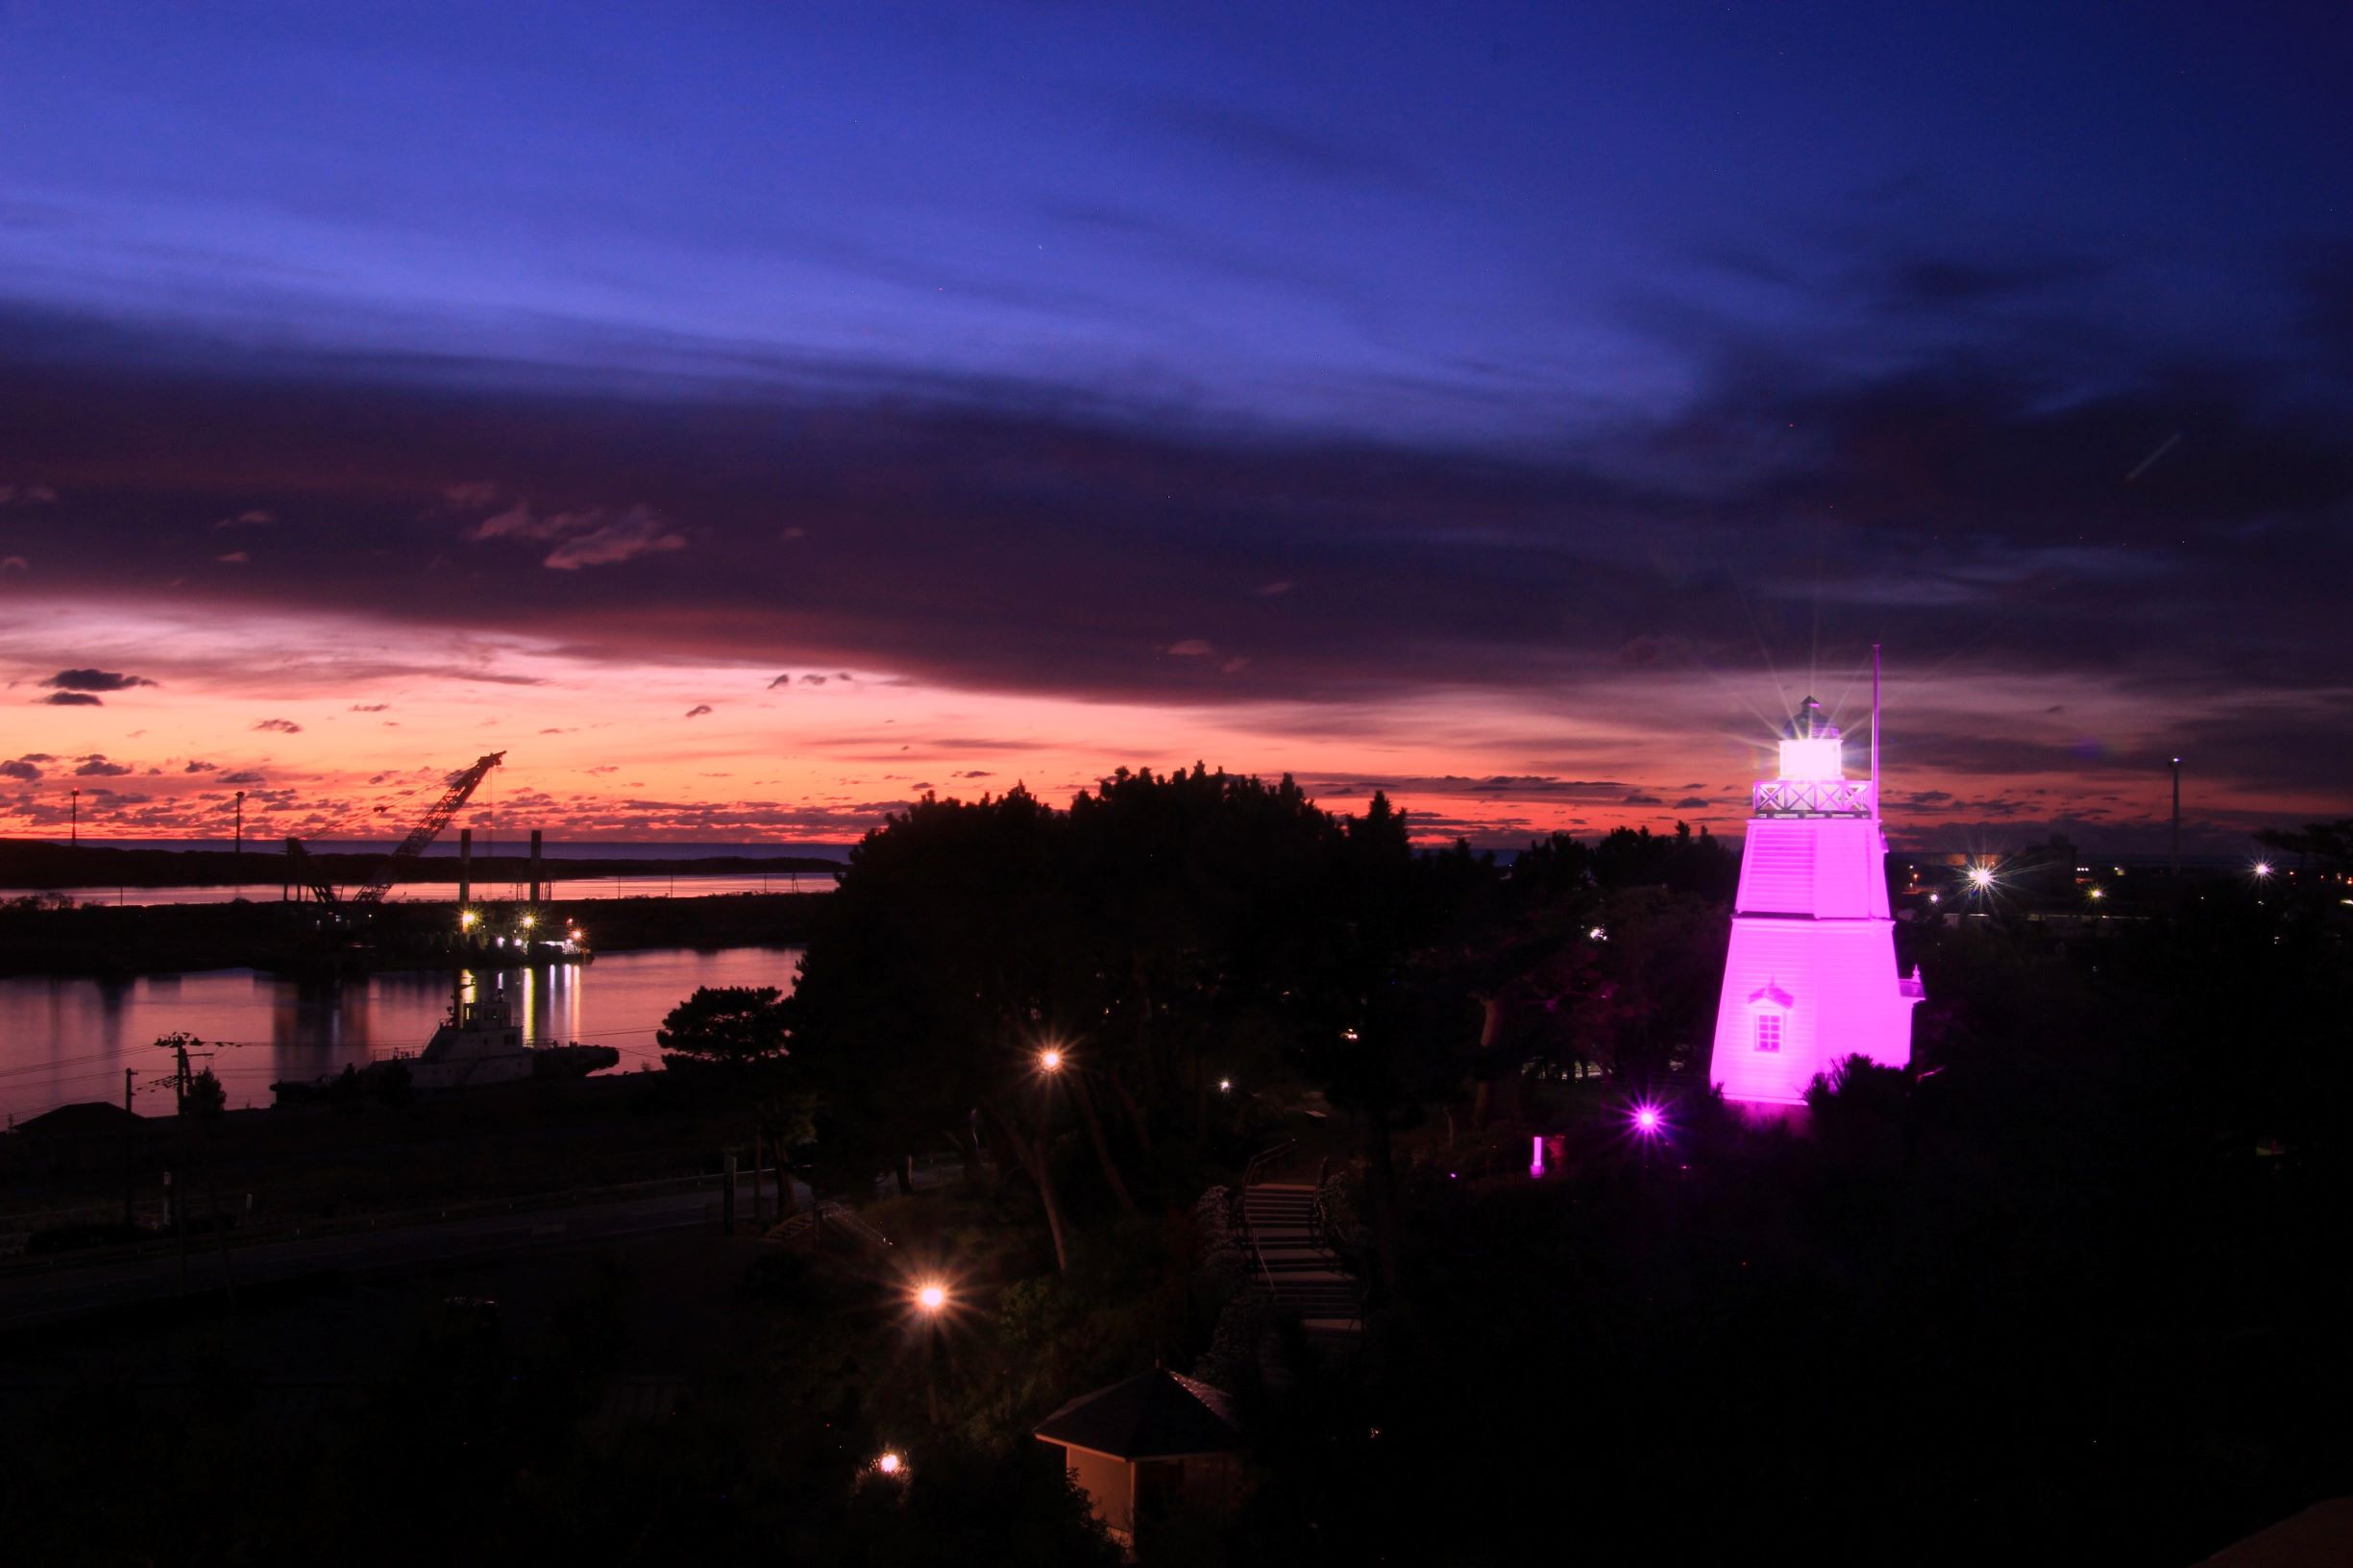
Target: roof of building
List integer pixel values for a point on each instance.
(2321, 1534)
(84, 1117)
(1809, 723)
(1155, 1414)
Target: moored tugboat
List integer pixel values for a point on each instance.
(479, 1045)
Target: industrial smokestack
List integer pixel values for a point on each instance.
(465, 867)
(534, 865)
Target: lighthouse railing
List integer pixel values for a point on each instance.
(1812, 798)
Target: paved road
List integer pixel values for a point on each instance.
(67, 1290)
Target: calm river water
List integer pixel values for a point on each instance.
(65, 1039)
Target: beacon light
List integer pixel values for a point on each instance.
(1813, 758)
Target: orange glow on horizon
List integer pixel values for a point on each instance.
(337, 729)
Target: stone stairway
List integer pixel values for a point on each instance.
(1300, 1275)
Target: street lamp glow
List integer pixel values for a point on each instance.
(932, 1298)
(889, 1464)
(1648, 1120)
(1225, 1086)
(2099, 892)
(1050, 1060)
(2262, 868)
(1981, 878)
(530, 920)
(465, 920)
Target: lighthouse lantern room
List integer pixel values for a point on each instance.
(1810, 978)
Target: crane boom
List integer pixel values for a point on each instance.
(461, 788)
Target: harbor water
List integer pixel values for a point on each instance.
(63, 1040)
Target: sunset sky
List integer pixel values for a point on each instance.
(749, 417)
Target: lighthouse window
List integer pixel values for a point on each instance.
(1768, 1031)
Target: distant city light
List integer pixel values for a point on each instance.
(465, 921)
(2262, 868)
(1936, 897)
(1598, 933)
(530, 920)
(889, 1464)
(2099, 892)
(1225, 1086)
(1981, 878)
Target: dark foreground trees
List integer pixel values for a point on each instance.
(1050, 982)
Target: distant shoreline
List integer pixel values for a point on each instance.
(31, 864)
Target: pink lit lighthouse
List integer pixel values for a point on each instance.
(1811, 976)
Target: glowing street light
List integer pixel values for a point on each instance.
(890, 1462)
(1648, 1120)
(931, 1301)
(2099, 892)
(2263, 869)
(466, 919)
(1980, 877)
(1225, 1086)
(1050, 1060)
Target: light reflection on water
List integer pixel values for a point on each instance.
(69, 1038)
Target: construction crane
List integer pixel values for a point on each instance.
(460, 788)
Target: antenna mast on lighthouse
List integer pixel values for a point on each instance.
(1875, 731)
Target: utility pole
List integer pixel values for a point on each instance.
(129, 1143)
(241, 853)
(1875, 731)
(2177, 823)
(75, 830)
(757, 1151)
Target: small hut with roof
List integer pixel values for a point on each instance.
(1155, 1442)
